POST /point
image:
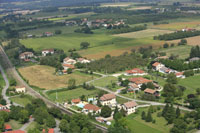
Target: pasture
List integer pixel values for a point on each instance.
(22, 100)
(193, 41)
(44, 77)
(68, 95)
(104, 81)
(143, 33)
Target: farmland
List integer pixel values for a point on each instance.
(144, 33)
(68, 95)
(193, 41)
(44, 77)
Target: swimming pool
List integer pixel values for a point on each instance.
(80, 105)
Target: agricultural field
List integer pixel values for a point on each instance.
(44, 77)
(193, 41)
(140, 8)
(116, 4)
(21, 100)
(182, 51)
(178, 25)
(136, 124)
(143, 33)
(67, 95)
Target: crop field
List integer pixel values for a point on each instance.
(116, 4)
(193, 41)
(144, 33)
(178, 25)
(140, 8)
(44, 77)
(182, 51)
(67, 95)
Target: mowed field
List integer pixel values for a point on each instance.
(178, 25)
(44, 77)
(144, 33)
(193, 41)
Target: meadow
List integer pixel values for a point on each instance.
(144, 33)
(45, 77)
(67, 95)
(103, 82)
(22, 100)
(193, 41)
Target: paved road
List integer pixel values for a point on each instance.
(12, 71)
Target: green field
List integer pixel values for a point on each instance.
(22, 100)
(105, 81)
(67, 95)
(136, 124)
(14, 124)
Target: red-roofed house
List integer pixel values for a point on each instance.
(135, 72)
(26, 55)
(139, 81)
(151, 92)
(75, 101)
(108, 99)
(133, 87)
(157, 66)
(2, 107)
(129, 107)
(67, 66)
(180, 75)
(90, 108)
(7, 127)
(70, 61)
(47, 51)
(51, 130)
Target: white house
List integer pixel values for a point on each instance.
(133, 87)
(67, 66)
(82, 60)
(180, 75)
(108, 99)
(69, 61)
(130, 107)
(47, 51)
(26, 55)
(157, 66)
(2, 107)
(135, 72)
(90, 108)
(20, 89)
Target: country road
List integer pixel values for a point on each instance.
(12, 72)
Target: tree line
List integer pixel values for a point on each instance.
(127, 29)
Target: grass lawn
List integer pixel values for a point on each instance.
(44, 77)
(136, 124)
(143, 33)
(22, 100)
(67, 95)
(105, 81)
(31, 126)
(121, 100)
(14, 124)
(182, 51)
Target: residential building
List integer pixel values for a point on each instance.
(151, 92)
(165, 70)
(90, 108)
(108, 99)
(130, 107)
(7, 127)
(135, 72)
(47, 51)
(82, 60)
(20, 89)
(67, 66)
(3, 107)
(133, 87)
(48, 34)
(139, 81)
(180, 75)
(15, 131)
(26, 55)
(75, 101)
(69, 61)
(157, 66)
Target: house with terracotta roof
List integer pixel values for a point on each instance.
(20, 89)
(129, 107)
(69, 61)
(75, 101)
(50, 130)
(2, 107)
(26, 55)
(157, 66)
(180, 75)
(47, 51)
(90, 108)
(151, 92)
(83, 60)
(139, 81)
(108, 99)
(135, 72)
(133, 87)
(15, 131)
(67, 66)
(7, 127)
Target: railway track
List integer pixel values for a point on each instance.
(12, 72)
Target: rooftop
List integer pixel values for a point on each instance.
(150, 91)
(140, 80)
(91, 107)
(107, 97)
(130, 104)
(135, 71)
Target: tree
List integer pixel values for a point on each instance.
(71, 83)
(180, 126)
(50, 122)
(171, 78)
(1, 124)
(84, 45)
(178, 112)
(106, 111)
(149, 117)
(34, 130)
(24, 116)
(64, 126)
(143, 115)
(198, 91)
(69, 70)
(166, 45)
(57, 32)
